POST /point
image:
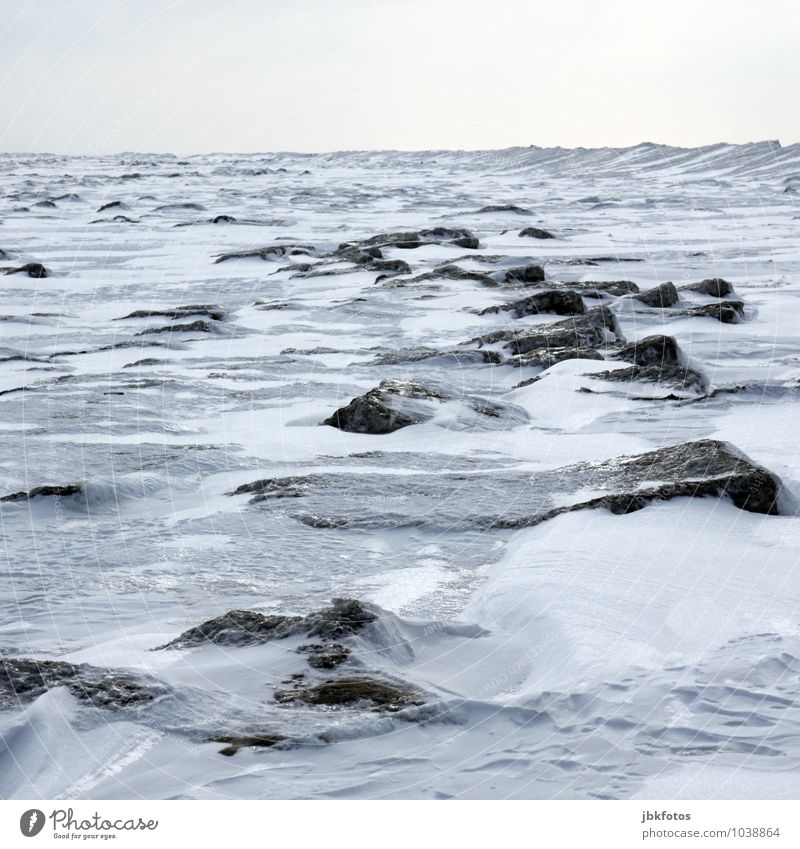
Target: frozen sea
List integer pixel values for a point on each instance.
(552, 647)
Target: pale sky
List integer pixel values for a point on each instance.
(193, 76)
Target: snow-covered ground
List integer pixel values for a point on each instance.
(544, 651)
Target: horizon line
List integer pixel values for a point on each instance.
(775, 143)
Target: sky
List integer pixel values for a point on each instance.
(194, 76)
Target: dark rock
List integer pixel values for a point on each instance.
(504, 207)
(344, 617)
(652, 350)
(150, 361)
(341, 692)
(716, 287)
(594, 260)
(114, 204)
(25, 679)
(452, 272)
(416, 238)
(665, 374)
(223, 219)
(390, 266)
(560, 302)
(358, 255)
(661, 296)
(728, 312)
(208, 310)
(238, 628)
(275, 305)
(598, 288)
(291, 487)
(32, 269)
(495, 497)
(325, 655)
(45, 491)
(170, 207)
(524, 274)
(198, 326)
(413, 355)
(536, 233)
(546, 357)
(595, 327)
(269, 252)
(382, 410)
(704, 468)
(246, 741)
(119, 219)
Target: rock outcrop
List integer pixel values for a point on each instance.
(345, 616)
(350, 692)
(661, 296)
(25, 679)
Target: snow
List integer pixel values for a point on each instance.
(650, 655)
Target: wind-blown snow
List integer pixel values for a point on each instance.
(591, 656)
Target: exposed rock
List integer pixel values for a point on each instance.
(661, 296)
(198, 326)
(413, 355)
(524, 274)
(390, 266)
(594, 260)
(560, 302)
(341, 692)
(595, 327)
(45, 491)
(25, 679)
(32, 269)
(246, 741)
(357, 254)
(453, 272)
(728, 312)
(114, 204)
(238, 628)
(707, 467)
(119, 219)
(716, 287)
(504, 207)
(677, 376)
(270, 252)
(598, 288)
(656, 359)
(652, 350)
(395, 404)
(271, 305)
(150, 361)
(291, 487)
(171, 207)
(492, 497)
(325, 655)
(546, 357)
(536, 233)
(208, 310)
(345, 616)
(416, 238)
(383, 409)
